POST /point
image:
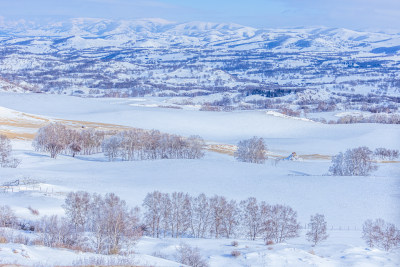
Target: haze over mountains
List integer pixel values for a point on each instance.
(94, 56)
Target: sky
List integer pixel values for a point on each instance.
(353, 14)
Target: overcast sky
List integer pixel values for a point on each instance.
(355, 14)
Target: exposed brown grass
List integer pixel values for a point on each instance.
(223, 149)
(315, 156)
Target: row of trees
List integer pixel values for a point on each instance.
(106, 225)
(6, 160)
(102, 224)
(179, 214)
(134, 144)
(142, 145)
(386, 154)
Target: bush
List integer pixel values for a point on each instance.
(235, 243)
(190, 256)
(354, 162)
(235, 253)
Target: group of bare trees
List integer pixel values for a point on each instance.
(381, 234)
(56, 138)
(386, 154)
(5, 153)
(112, 225)
(179, 214)
(354, 162)
(142, 145)
(135, 144)
(251, 150)
(106, 225)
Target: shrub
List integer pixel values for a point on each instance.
(235, 253)
(235, 243)
(190, 256)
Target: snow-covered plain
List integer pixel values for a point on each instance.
(346, 201)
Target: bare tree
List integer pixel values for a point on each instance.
(51, 138)
(111, 147)
(317, 232)
(5, 153)
(200, 219)
(251, 217)
(251, 150)
(76, 206)
(154, 212)
(7, 217)
(381, 234)
(354, 162)
(281, 224)
(55, 232)
(230, 220)
(180, 214)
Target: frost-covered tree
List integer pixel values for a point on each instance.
(111, 147)
(251, 150)
(5, 153)
(7, 217)
(76, 206)
(281, 224)
(381, 234)
(200, 216)
(251, 217)
(317, 232)
(388, 154)
(153, 204)
(52, 138)
(354, 162)
(180, 214)
(54, 231)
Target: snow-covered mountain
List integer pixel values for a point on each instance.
(154, 55)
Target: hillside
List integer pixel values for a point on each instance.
(100, 57)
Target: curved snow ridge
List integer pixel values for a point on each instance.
(277, 114)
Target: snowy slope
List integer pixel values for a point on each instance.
(345, 201)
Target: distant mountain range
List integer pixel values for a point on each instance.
(97, 56)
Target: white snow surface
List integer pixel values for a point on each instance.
(346, 202)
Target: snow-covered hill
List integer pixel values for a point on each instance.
(120, 58)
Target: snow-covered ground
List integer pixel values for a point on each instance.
(346, 202)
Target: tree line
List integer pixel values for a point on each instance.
(134, 144)
(107, 225)
(181, 215)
